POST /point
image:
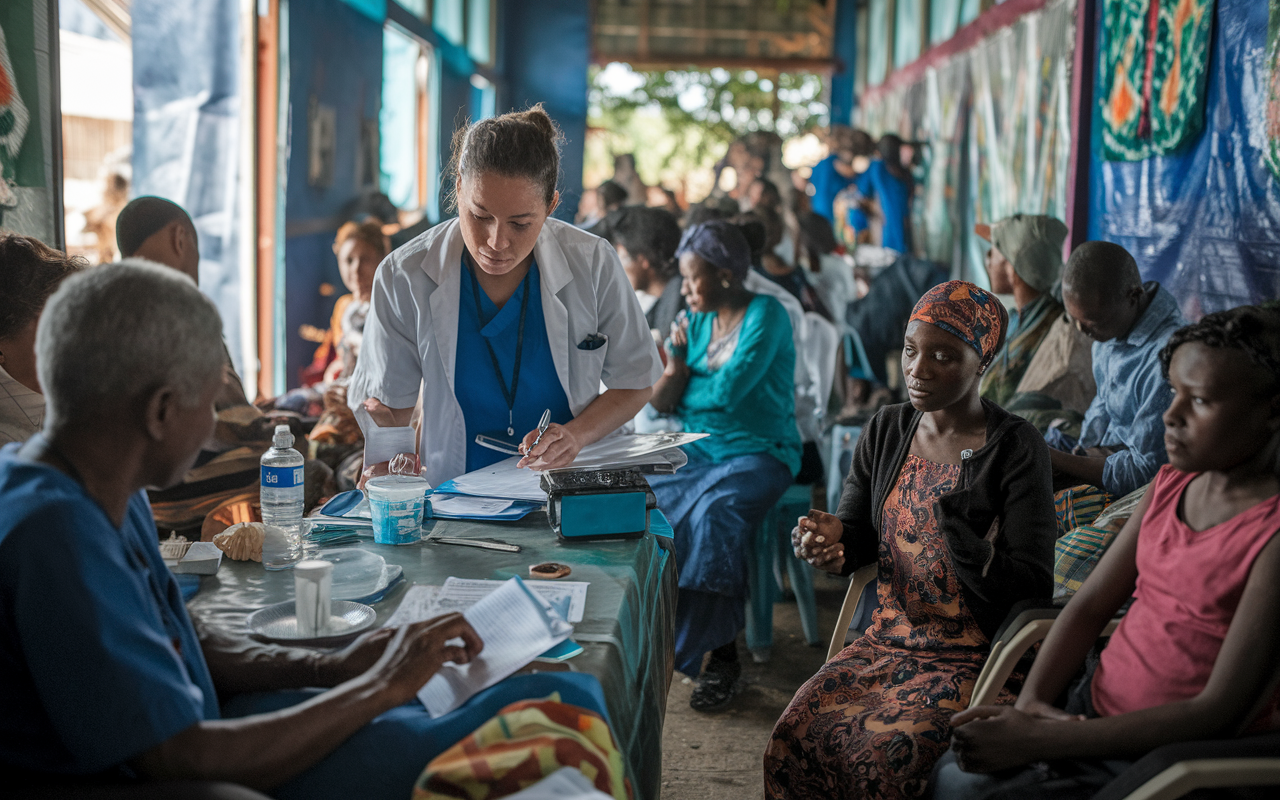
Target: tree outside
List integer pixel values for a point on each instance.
(679, 123)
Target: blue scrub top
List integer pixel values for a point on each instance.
(827, 183)
(98, 658)
(477, 386)
(894, 197)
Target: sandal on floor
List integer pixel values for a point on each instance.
(717, 686)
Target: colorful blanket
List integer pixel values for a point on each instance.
(526, 742)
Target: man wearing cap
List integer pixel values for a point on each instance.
(1025, 260)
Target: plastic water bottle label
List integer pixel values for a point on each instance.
(282, 477)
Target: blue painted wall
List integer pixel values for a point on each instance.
(845, 50)
(545, 51)
(335, 56)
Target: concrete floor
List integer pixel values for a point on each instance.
(718, 756)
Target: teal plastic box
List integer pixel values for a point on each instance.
(599, 506)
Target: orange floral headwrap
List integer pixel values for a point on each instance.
(968, 312)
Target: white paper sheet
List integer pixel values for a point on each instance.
(383, 444)
(416, 606)
(515, 627)
(459, 594)
(458, 505)
(566, 783)
(568, 598)
(502, 479)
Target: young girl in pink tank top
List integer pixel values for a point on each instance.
(1196, 655)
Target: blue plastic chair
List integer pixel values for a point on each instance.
(770, 554)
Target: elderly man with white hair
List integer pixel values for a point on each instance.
(108, 687)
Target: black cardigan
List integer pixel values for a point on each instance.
(998, 524)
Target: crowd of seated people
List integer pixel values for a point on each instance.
(1017, 429)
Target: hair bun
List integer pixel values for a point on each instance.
(538, 117)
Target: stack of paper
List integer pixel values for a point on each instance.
(505, 480)
(515, 626)
(350, 510)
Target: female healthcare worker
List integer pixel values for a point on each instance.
(500, 315)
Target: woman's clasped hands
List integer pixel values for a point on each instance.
(994, 738)
(816, 539)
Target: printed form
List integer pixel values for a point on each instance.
(515, 626)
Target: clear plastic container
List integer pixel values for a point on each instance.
(281, 495)
(396, 503)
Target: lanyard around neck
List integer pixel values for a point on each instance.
(507, 394)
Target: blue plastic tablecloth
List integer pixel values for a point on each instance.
(627, 631)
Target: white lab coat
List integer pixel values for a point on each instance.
(411, 336)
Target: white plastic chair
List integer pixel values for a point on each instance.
(822, 345)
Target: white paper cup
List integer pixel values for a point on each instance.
(312, 584)
(396, 503)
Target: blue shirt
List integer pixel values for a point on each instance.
(98, 658)
(827, 183)
(476, 384)
(894, 197)
(748, 405)
(1133, 396)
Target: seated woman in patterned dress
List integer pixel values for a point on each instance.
(953, 497)
(730, 373)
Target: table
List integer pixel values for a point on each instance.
(627, 631)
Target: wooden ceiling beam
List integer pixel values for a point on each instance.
(820, 65)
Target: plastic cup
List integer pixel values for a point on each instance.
(396, 503)
(312, 581)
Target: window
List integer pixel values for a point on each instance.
(418, 8)
(480, 31)
(448, 19)
(405, 150)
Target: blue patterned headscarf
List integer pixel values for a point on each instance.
(719, 243)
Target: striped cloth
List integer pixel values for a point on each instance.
(526, 742)
(1076, 553)
(1078, 506)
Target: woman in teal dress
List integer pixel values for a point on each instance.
(729, 373)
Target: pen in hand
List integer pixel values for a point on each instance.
(543, 424)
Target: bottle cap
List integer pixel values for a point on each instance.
(283, 437)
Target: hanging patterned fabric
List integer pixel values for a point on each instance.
(13, 127)
(1273, 90)
(1154, 75)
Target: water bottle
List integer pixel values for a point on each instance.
(282, 499)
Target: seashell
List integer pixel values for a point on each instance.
(242, 542)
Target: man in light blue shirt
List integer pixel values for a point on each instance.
(1122, 439)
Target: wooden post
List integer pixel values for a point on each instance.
(1082, 67)
(268, 113)
(642, 39)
